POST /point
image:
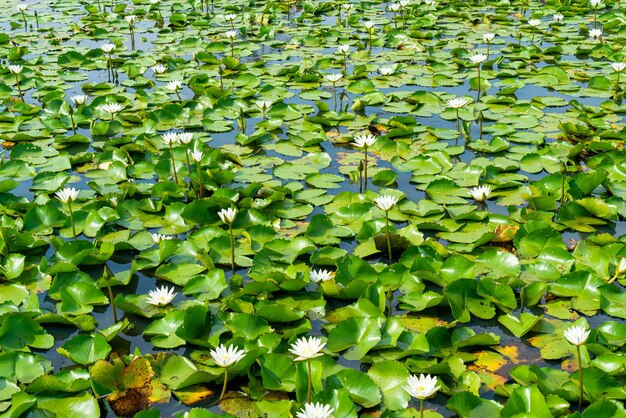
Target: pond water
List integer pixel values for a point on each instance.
(62, 28)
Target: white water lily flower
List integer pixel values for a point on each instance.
(161, 296)
(79, 99)
(185, 137)
(557, 17)
(130, 18)
(108, 48)
(368, 24)
(343, 48)
(231, 34)
(159, 68)
(386, 202)
(458, 102)
(170, 138)
(315, 410)
(595, 3)
(576, 335)
(15, 69)
(421, 387)
(321, 275)
(67, 195)
(385, 71)
(174, 85)
(430, 2)
(488, 37)
(305, 349)
(480, 193)
(405, 3)
(111, 108)
(534, 22)
(113, 201)
(263, 104)
(230, 17)
(333, 78)
(158, 237)
(346, 6)
(365, 140)
(394, 7)
(22, 7)
(225, 357)
(618, 66)
(197, 156)
(227, 215)
(478, 58)
(595, 33)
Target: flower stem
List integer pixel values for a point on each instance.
(112, 300)
(224, 385)
(173, 164)
(365, 168)
(478, 96)
(24, 20)
(308, 363)
(421, 408)
(457, 121)
(72, 119)
(232, 247)
(188, 162)
(359, 170)
(388, 238)
(201, 191)
(110, 64)
(69, 205)
(580, 373)
(334, 98)
(19, 88)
